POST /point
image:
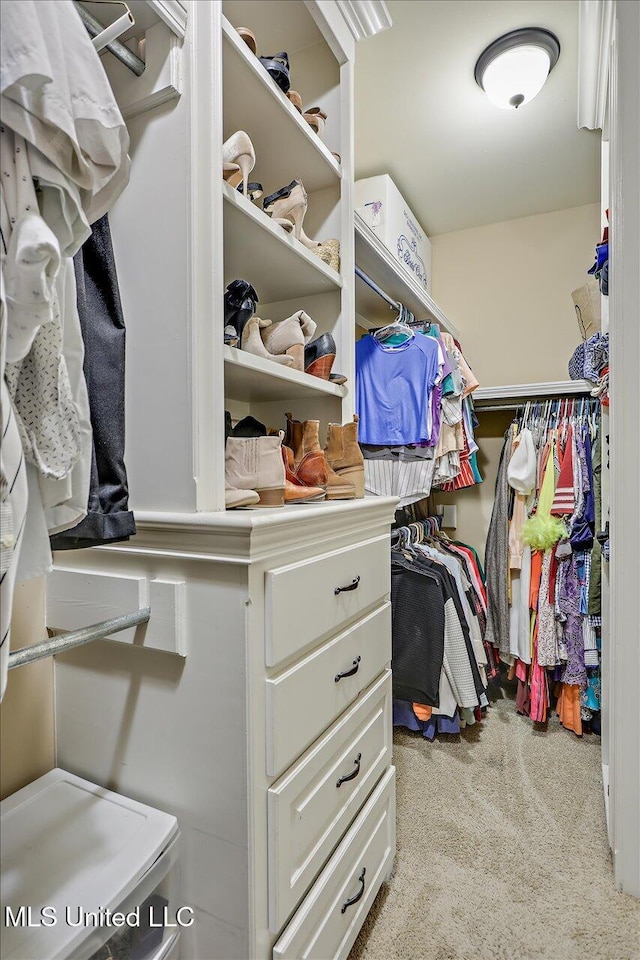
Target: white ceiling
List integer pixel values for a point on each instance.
(458, 160)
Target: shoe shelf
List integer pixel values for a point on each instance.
(254, 379)
(280, 267)
(380, 265)
(283, 141)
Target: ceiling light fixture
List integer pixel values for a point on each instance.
(513, 69)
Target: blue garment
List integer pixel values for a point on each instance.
(393, 390)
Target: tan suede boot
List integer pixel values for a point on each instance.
(255, 463)
(343, 454)
(310, 462)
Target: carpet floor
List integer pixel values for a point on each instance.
(502, 851)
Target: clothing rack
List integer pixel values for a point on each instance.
(118, 49)
(77, 638)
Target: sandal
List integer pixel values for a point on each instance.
(278, 69)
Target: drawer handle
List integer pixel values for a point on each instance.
(352, 586)
(350, 902)
(351, 776)
(348, 673)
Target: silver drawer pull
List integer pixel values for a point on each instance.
(350, 902)
(352, 586)
(351, 776)
(348, 673)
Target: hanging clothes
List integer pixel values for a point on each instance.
(108, 518)
(542, 567)
(64, 162)
(438, 654)
(416, 416)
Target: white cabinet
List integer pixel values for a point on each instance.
(279, 775)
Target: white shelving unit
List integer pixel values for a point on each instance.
(379, 264)
(527, 391)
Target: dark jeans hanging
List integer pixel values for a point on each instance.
(108, 516)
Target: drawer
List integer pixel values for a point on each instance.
(301, 603)
(302, 701)
(326, 924)
(312, 805)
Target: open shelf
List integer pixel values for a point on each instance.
(380, 265)
(528, 391)
(259, 250)
(286, 147)
(254, 379)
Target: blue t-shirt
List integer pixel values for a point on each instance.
(393, 390)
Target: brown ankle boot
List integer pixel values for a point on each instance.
(310, 462)
(344, 455)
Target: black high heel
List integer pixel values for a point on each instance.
(240, 301)
(278, 69)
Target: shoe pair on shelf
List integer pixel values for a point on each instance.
(287, 342)
(279, 69)
(255, 460)
(298, 471)
(288, 207)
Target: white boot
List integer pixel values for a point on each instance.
(255, 463)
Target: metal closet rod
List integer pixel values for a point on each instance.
(77, 638)
(376, 289)
(118, 49)
(481, 407)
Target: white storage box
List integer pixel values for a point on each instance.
(383, 209)
(74, 857)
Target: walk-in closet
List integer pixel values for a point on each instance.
(319, 469)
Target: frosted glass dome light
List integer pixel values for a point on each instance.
(514, 68)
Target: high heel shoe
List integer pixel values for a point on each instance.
(238, 154)
(319, 356)
(316, 118)
(240, 300)
(252, 342)
(290, 336)
(327, 250)
(295, 99)
(288, 203)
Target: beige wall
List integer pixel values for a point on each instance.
(507, 287)
(27, 744)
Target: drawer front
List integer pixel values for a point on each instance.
(306, 698)
(327, 923)
(312, 805)
(301, 605)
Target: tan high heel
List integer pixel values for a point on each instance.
(238, 154)
(252, 342)
(289, 203)
(316, 118)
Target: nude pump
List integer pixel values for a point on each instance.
(238, 154)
